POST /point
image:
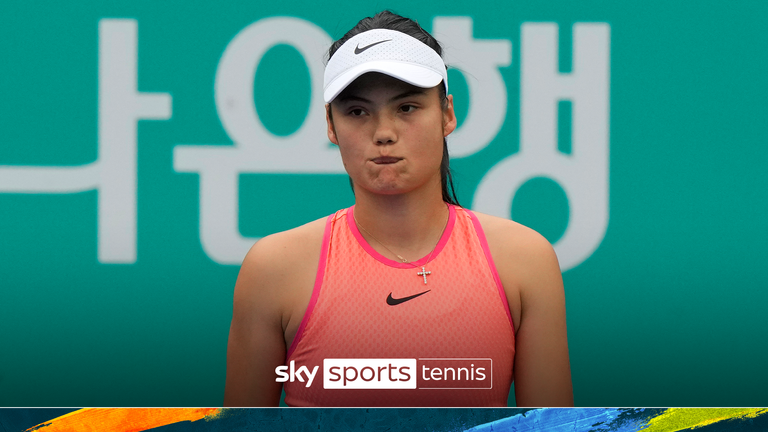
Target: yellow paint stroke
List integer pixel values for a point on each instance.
(675, 419)
(123, 419)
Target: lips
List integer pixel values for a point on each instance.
(382, 160)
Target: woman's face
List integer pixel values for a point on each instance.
(390, 133)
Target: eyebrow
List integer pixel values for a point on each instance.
(409, 93)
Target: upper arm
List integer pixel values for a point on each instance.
(256, 345)
(542, 367)
(531, 277)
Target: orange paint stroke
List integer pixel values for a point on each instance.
(123, 419)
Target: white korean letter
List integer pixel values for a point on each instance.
(583, 174)
(113, 174)
(255, 149)
(479, 61)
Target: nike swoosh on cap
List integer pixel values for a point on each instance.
(394, 302)
(358, 50)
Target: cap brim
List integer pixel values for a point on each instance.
(413, 74)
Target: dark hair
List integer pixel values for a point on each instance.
(391, 21)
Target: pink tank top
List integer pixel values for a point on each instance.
(374, 334)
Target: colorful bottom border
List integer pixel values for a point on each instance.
(384, 419)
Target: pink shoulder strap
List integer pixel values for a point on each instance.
(318, 284)
(491, 264)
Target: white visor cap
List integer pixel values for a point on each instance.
(385, 51)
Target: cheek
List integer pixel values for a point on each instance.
(351, 154)
(431, 146)
(350, 132)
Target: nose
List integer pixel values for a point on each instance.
(386, 130)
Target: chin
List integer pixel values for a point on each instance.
(386, 188)
(389, 190)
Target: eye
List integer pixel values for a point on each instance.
(356, 112)
(408, 108)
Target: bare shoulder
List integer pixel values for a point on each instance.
(513, 244)
(277, 275)
(275, 261)
(275, 251)
(526, 264)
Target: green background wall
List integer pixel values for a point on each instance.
(667, 311)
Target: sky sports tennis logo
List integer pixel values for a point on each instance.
(422, 373)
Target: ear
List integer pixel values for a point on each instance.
(329, 121)
(449, 117)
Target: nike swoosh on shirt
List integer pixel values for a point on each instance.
(358, 50)
(394, 302)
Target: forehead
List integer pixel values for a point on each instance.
(373, 83)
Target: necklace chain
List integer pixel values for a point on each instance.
(423, 271)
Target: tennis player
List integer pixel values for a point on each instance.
(406, 298)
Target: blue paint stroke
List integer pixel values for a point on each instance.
(558, 420)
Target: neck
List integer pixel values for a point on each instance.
(407, 224)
